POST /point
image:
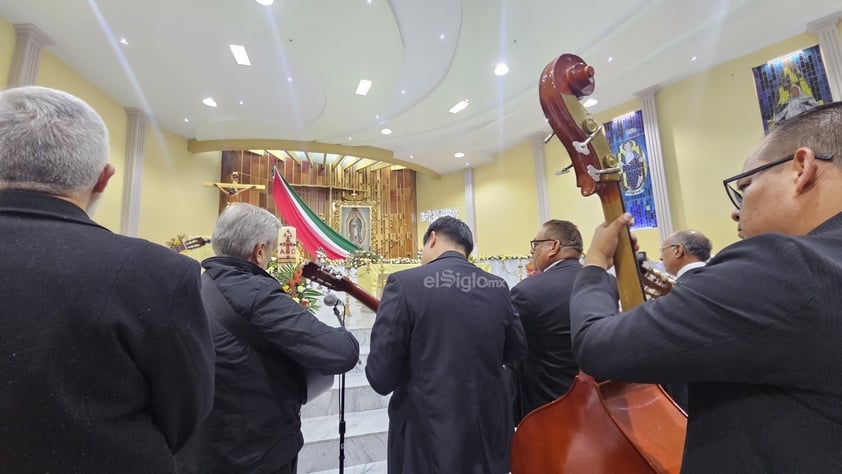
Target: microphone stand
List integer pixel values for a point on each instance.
(341, 401)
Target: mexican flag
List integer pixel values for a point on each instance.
(311, 231)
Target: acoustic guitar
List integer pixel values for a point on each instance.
(338, 282)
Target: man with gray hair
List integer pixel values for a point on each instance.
(106, 359)
(265, 342)
(685, 250)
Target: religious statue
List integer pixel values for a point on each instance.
(234, 189)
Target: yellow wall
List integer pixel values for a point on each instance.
(7, 49)
(505, 201)
(173, 200)
(439, 193)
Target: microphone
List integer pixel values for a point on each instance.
(331, 299)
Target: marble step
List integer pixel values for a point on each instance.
(371, 468)
(359, 396)
(365, 440)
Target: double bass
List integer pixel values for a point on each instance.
(598, 426)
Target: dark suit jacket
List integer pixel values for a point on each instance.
(542, 302)
(756, 333)
(440, 339)
(106, 360)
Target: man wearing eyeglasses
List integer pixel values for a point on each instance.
(757, 333)
(542, 302)
(685, 250)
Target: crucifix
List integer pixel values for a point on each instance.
(233, 189)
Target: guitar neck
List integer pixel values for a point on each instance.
(370, 301)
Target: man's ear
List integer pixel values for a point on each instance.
(431, 240)
(258, 253)
(804, 162)
(679, 251)
(106, 174)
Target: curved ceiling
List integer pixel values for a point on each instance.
(307, 57)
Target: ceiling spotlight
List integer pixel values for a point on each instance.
(187, 120)
(590, 102)
(349, 139)
(441, 36)
(459, 155)
(289, 79)
(386, 131)
(610, 59)
(411, 156)
(363, 87)
(693, 59)
(209, 101)
(459, 106)
(241, 102)
(501, 69)
(403, 92)
(124, 41)
(467, 164)
(265, 3)
(240, 55)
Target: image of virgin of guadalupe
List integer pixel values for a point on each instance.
(356, 229)
(634, 168)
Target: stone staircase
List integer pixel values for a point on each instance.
(366, 420)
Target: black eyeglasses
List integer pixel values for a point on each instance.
(736, 195)
(534, 243)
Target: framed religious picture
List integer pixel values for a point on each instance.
(791, 85)
(355, 224)
(626, 138)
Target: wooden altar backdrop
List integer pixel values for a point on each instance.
(327, 183)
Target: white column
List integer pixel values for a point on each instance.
(825, 29)
(27, 55)
(133, 175)
(656, 160)
(539, 158)
(470, 205)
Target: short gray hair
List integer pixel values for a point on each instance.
(241, 227)
(694, 242)
(50, 141)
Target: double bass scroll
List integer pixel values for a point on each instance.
(597, 426)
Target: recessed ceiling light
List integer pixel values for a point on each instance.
(403, 92)
(265, 2)
(590, 102)
(459, 155)
(377, 117)
(441, 36)
(411, 156)
(124, 41)
(501, 69)
(363, 87)
(466, 164)
(209, 101)
(241, 102)
(240, 55)
(692, 59)
(610, 58)
(289, 79)
(349, 139)
(386, 131)
(187, 120)
(459, 106)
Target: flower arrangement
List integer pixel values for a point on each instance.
(294, 284)
(361, 258)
